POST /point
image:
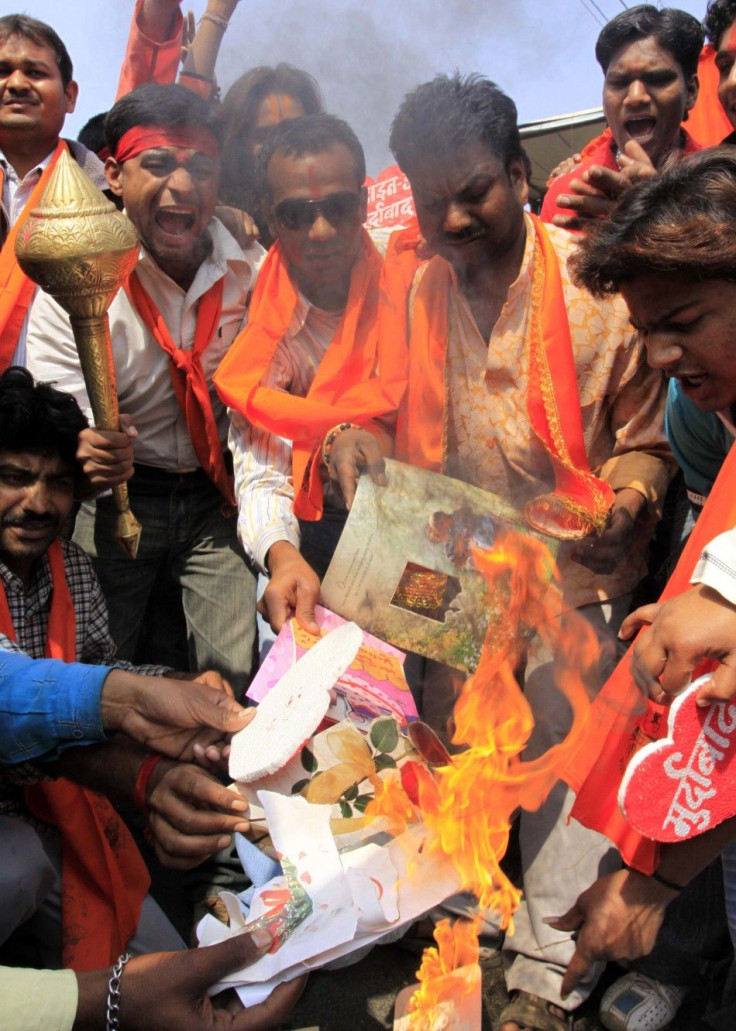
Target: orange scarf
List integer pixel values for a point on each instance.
(188, 378)
(621, 720)
(104, 878)
(580, 502)
(16, 289)
(357, 380)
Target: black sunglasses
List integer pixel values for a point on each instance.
(337, 208)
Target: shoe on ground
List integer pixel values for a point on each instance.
(639, 1003)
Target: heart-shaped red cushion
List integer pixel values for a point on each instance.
(685, 783)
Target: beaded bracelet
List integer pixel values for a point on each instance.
(112, 1022)
(145, 770)
(216, 19)
(330, 438)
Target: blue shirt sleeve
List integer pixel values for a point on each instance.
(47, 705)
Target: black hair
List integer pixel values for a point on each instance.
(675, 31)
(680, 222)
(37, 417)
(240, 110)
(92, 133)
(312, 134)
(43, 36)
(719, 15)
(153, 103)
(450, 112)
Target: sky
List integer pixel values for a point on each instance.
(366, 54)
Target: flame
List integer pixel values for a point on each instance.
(457, 948)
(467, 807)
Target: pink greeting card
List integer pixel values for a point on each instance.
(374, 684)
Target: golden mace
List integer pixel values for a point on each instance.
(80, 249)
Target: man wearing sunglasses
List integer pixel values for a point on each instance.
(170, 326)
(307, 365)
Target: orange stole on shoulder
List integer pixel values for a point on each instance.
(581, 501)
(16, 289)
(622, 720)
(358, 379)
(104, 879)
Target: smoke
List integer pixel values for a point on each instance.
(367, 56)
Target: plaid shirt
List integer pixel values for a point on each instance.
(29, 611)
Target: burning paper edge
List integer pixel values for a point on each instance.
(420, 881)
(460, 1012)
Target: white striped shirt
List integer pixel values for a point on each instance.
(261, 460)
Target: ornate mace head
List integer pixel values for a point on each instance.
(76, 245)
(80, 249)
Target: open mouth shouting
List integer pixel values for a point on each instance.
(175, 223)
(641, 128)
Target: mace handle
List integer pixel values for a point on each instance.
(92, 337)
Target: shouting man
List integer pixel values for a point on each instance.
(170, 328)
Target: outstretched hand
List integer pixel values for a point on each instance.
(292, 590)
(697, 624)
(191, 814)
(169, 716)
(618, 917)
(168, 990)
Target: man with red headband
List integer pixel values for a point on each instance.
(307, 365)
(171, 325)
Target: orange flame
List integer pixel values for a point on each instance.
(457, 947)
(467, 807)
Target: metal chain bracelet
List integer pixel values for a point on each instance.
(113, 994)
(216, 19)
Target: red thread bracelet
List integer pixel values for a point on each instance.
(145, 770)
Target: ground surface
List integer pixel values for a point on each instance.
(361, 997)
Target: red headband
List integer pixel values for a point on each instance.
(146, 137)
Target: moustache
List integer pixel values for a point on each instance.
(471, 233)
(30, 521)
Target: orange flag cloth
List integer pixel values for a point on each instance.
(104, 879)
(188, 378)
(708, 122)
(16, 289)
(360, 378)
(580, 502)
(622, 720)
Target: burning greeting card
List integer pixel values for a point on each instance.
(372, 685)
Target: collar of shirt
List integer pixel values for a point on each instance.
(225, 254)
(39, 589)
(16, 191)
(726, 417)
(319, 320)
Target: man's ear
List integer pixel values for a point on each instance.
(271, 220)
(693, 86)
(71, 92)
(519, 181)
(363, 204)
(114, 176)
